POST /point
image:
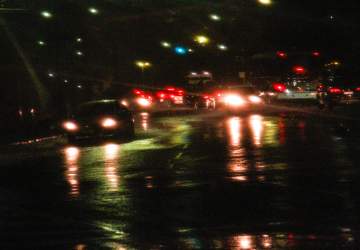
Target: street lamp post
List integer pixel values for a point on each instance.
(143, 65)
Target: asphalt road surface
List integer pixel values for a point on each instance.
(265, 180)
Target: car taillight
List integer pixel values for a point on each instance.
(335, 91)
(279, 87)
(161, 94)
(357, 89)
(138, 92)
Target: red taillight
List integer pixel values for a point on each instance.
(279, 87)
(138, 92)
(161, 94)
(335, 90)
(357, 89)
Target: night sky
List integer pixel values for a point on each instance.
(121, 32)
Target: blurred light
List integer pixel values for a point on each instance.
(70, 126)
(46, 14)
(66, 81)
(299, 70)
(109, 123)
(180, 50)
(234, 128)
(79, 53)
(265, 2)
(281, 54)
(79, 40)
(215, 17)
(93, 11)
(234, 100)
(255, 99)
(257, 127)
(125, 103)
(165, 44)
(207, 73)
(51, 75)
(222, 47)
(202, 40)
(193, 73)
(143, 64)
(190, 50)
(41, 43)
(79, 86)
(316, 53)
(279, 87)
(143, 102)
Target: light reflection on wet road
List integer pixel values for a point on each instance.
(188, 182)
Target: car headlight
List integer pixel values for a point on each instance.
(234, 100)
(143, 102)
(255, 99)
(109, 123)
(70, 126)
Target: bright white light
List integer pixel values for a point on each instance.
(125, 103)
(70, 126)
(207, 73)
(193, 73)
(51, 75)
(265, 2)
(215, 17)
(165, 44)
(190, 50)
(143, 102)
(108, 123)
(93, 10)
(66, 81)
(234, 100)
(41, 43)
(79, 40)
(222, 47)
(255, 99)
(79, 86)
(79, 53)
(46, 14)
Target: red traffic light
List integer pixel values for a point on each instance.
(316, 53)
(300, 70)
(281, 54)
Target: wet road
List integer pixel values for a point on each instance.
(271, 180)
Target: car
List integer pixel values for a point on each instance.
(138, 100)
(238, 97)
(297, 90)
(100, 119)
(337, 91)
(170, 97)
(200, 97)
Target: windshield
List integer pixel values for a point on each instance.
(96, 109)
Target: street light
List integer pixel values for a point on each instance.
(215, 17)
(79, 53)
(222, 47)
(143, 64)
(165, 44)
(46, 14)
(93, 11)
(265, 2)
(41, 43)
(202, 40)
(79, 40)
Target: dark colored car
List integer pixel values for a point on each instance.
(200, 96)
(337, 92)
(105, 118)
